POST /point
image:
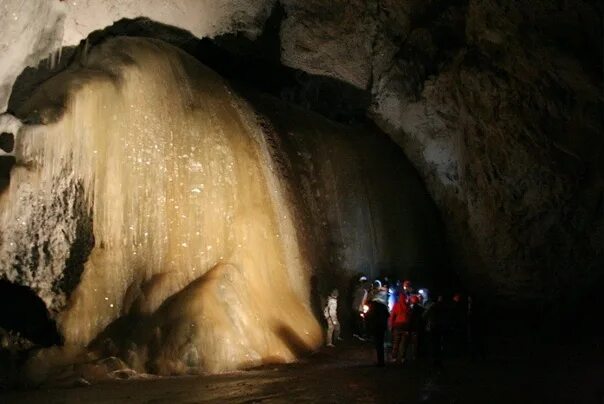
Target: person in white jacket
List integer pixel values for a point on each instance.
(331, 316)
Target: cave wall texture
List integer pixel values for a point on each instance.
(499, 106)
(497, 103)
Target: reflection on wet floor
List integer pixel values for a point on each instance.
(346, 374)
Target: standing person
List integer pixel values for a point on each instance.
(426, 303)
(434, 316)
(399, 326)
(378, 321)
(331, 316)
(416, 324)
(359, 300)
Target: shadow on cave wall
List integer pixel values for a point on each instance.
(292, 340)
(23, 312)
(6, 163)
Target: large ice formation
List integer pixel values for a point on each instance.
(190, 224)
(165, 220)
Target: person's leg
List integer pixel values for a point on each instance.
(363, 326)
(413, 337)
(330, 329)
(356, 324)
(379, 346)
(405, 337)
(336, 336)
(421, 344)
(396, 343)
(436, 338)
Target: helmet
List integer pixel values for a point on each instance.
(377, 283)
(414, 299)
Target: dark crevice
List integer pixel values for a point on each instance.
(7, 142)
(6, 164)
(23, 312)
(80, 248)
(256, 64)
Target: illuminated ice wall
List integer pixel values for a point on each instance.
(190, 227)
(165, 220)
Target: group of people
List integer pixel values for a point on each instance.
(416, 325)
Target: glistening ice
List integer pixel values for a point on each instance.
(193, 240)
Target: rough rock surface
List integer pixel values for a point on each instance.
(332, 38)
(497, 103)
(499, 106)
(33, 29)
(51, 238)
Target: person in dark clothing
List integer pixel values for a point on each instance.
(434, 317)
(416, 325)
(378, 322)
(359, 300)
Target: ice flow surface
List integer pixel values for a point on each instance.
(191, 231)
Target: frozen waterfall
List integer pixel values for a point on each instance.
(181, 191)
(166, 220)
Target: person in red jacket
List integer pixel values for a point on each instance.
(399, 325)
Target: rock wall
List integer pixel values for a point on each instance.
(34, 29)
(499, 106)
(362, 208)
(497, 103)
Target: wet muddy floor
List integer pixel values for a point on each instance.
(530, 374)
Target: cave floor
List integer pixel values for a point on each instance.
(347, 374)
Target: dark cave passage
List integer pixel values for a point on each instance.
(24, 312)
